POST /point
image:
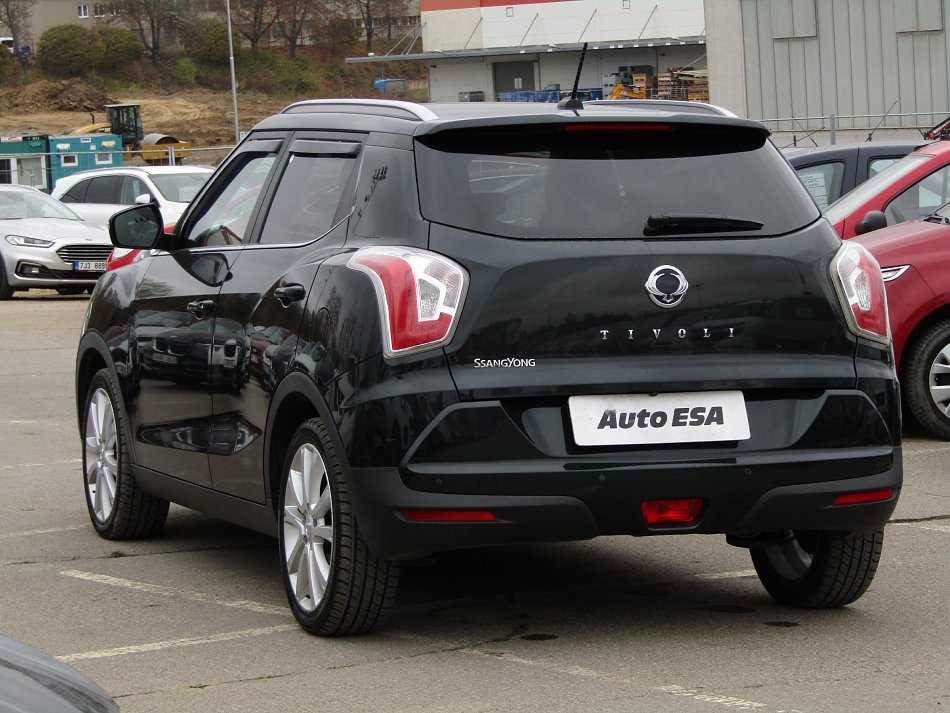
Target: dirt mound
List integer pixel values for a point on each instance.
(61, 95)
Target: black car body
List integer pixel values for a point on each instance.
(504, 323)
(829, 172)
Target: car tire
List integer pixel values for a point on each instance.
(6, 292)
(335, 585)
(819, 570)
(118, 508)
(925, 379)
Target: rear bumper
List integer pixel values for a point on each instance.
(739, 498)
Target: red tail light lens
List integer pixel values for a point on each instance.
(420, 296)
(675, 512)
(449, 515)
(861, 291)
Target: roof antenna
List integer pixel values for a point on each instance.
(572, 102)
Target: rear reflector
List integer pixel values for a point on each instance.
(868, 496)
(682, 511)
(449, 516)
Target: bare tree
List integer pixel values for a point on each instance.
(15, 14)
(294, 18)
(152, 19)
(375, 14)
(254, 19)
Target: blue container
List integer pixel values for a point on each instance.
(23, 161)
(71, 154)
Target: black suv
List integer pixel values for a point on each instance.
(383, 330)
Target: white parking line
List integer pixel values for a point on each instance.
(47, 531)
(177, 593)
(176, 643)
(40, 465)
(727, 575)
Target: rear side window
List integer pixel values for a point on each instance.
(823, 181)
(76, 194)
(609, 181)
(104, 189)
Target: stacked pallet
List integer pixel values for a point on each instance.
(683, 83)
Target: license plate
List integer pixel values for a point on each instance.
(165, 358)
(89, 266)
(634, 419)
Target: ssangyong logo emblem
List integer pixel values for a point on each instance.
(666, 286)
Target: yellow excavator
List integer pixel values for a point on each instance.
(125, 120)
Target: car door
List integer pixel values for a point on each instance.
(175, 317)
(304, 222)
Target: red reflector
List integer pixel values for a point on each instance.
(868, 496)
(618, 127)
(682, 511)
(449, 515)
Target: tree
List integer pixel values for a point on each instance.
(373, 14)
(151, 19)
(122, 47)
(206, 40)
(294, 17)
(254, 19)
(15, 14)
(69, 51)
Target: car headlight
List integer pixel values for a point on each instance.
(25, 242)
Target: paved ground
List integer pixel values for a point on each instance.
(197, 621)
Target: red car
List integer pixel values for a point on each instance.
(909, 189)
(915, 262)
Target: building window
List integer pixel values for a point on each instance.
(83, 11)
(626, 4)
(509, 11)
(99, 10)
(69, 160)
(103, 159)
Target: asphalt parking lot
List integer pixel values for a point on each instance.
(196, 620)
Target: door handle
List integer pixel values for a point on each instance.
(201, 308)
(289, 294)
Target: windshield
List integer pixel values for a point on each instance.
(854, 199)
(18, 204)
(610, 181)
(179, 187)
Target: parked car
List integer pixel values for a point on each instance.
(828, 172)
(34, 681)
(45, 245)
(99, 193)
(915, 259)
(501, 325)
(909, 189)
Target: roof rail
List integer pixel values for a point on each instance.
(386, 107)
(663, 105)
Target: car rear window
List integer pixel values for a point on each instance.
(606, 180)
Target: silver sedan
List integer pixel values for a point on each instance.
(43, 244)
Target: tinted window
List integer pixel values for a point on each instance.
(76, 194)
(386, 196)
(823, 181)
(104, 189)
(225, 220)
(307, 198)
(591, 182)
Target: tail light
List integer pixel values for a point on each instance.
(676, 512)
(420, 296)
(857, 277)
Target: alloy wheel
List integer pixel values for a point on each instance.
(308, 527)
(101, 455)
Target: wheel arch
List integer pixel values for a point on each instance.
(92, 355)
(296, 400)
(926, 322)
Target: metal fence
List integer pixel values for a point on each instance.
(852, 128)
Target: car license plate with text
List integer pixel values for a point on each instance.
(165, 358)
(89, 266)
(634, 419)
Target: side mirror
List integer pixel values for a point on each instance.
(137, 227)
(144, 199)
(873, 220)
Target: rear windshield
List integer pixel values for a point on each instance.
(608, 180)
